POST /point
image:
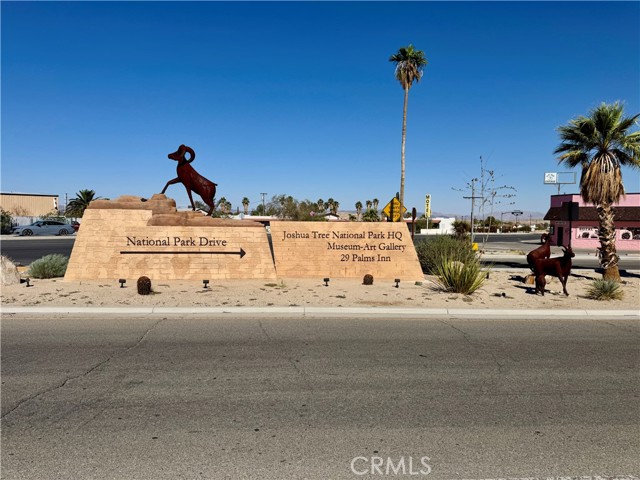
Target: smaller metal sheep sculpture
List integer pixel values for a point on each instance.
(191, 179)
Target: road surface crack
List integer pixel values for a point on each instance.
(477, 345)
(82, 374)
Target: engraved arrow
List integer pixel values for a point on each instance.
(241, 252)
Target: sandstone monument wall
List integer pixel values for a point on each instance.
(344, 250)
(130, 237)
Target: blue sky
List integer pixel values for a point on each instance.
(299, 98)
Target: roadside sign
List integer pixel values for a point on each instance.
(427, 206)
(397, 214)
(516, 212)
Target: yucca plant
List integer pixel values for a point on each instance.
(457, 277)
(49, 266)
(605, 290)
(435, 250)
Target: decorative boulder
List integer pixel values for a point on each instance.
(9, 272)
(368, 279)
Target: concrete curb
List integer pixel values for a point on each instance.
(322, 312)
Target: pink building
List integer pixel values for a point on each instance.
(581, 227)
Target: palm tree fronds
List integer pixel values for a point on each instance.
(77, 206)
(410, 65)
(574, 158)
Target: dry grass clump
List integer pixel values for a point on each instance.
(605, 290)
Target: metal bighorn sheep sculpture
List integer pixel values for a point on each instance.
(191, 179)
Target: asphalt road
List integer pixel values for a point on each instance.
(26, 250)
(172, 398)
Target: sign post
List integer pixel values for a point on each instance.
(516, 213)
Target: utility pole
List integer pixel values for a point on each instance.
(473, 198)
(264, 212)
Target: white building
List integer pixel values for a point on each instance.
(440, 226)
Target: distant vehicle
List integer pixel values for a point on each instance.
(44, 227)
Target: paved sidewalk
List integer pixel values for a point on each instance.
(320, 312)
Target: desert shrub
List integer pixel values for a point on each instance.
(432, 251)
(5, 221)
(49, 266)
(461, 229)
(368, 279)
(370, 216)
(458, 277)
(605, 290)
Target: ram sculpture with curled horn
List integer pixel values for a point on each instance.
(191, 179)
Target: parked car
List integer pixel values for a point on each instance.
(44, 227)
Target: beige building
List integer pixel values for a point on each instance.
(28, 204)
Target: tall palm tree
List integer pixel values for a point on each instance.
(77, 206)
(245, 204)
(410, 65)
(600, 143)
(358, 208)
(321, 207)
(376, 202)
(368, 204)
(335, 207)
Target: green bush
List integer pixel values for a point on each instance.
(433, 250)
(461, 229)
(49, 266)
(605, 290)
(455, 276)
(5, 221)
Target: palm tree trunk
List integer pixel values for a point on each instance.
(404, 140)
(607, 236)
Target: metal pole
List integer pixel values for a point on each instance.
(263, 207)
(472, 197)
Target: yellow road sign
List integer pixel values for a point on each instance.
(397, 214)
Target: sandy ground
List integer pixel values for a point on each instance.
(503, 290)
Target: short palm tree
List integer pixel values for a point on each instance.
(376, 202)
(368, 204)
(329, 204)
(224, 205)
(321, 207)
(77, 206)
(410, 65)
(245, 204)
(600, 144)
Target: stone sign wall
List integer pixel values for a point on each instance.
(129, 237)
(344, 250)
